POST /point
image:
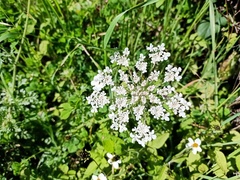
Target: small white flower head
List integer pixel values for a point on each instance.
(142, 134)
(158, 54)
(138, 111)
(172, 73)
(121, 59)
(101, 176)
(102, 79)
(119, 120)
(136, 78)
(153, 76)
(112, 161)
(97, 100)
(194, 145)
(141, 65)
(120, 90)
(123, 76)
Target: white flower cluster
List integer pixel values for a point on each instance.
(138, 94)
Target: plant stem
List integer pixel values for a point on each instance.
(20, 49)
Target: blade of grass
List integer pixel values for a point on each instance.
(229, 97)
(230, 119)
(48, 5)
(20, 48)
(118, 17)
(213, 59)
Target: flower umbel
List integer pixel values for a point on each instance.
(101, 176)
(136, 92)
(112, 161)
(194, 145)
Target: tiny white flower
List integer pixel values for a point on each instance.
(153, 75)
(136, 78)
(150, 48)
(111, 161)
(138, 111)
(101, 176)
(126, 52)
(142, 134)
(141, 66)
(194, 145)
(123, 76)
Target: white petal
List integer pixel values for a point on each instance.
(199, 149)
(198, 141)
(190, 141)
(115, 165)
(94, 177)
(110, 156)
(102, 176)
(194, 151)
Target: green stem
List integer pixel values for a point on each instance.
(20, 49)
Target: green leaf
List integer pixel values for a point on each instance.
(43, 47)
(72, 172)
(237, 159)
(203, 29)
(108, 145)
(232, 39)
(90, 169)
(159, 141)
(7, 35)
(221, 161)
(202, 168)
(30, 28)
(159, 3)
(64, 168)
(66, 111)
(218, 171)
(192, 161)
(163, 173)
(72, 148)
(16, 166)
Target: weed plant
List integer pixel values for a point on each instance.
(113, 89)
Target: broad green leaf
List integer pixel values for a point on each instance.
(202, 168)
(64, 168)
(204, 29)
(108, 145)
(16, 166)
(235, 135)
(90, 169)
(72, 148)
(159, 3)
(218, 171)
(237, 159)
(192, 161)
(72, 172)
(43, 47)
(159, 141)
(221, 161)
(30, 28)
(7, 35)
(163, 173)
(66, 111)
